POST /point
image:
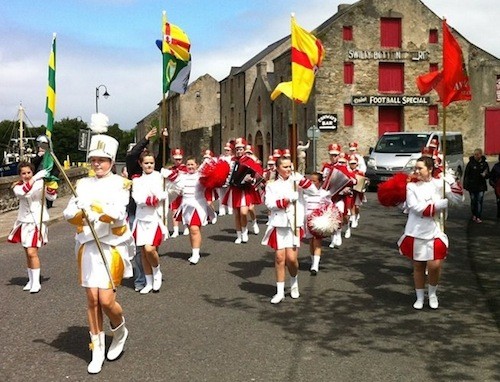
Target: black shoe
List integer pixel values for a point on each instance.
(314, 272)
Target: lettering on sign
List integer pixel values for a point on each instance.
(394, 55)
(327, 121)
(373, 100)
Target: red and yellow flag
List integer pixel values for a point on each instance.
(451, 82)
(307, 56)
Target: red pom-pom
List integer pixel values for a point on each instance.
(214, 173)
(324, 220)
(393, 191)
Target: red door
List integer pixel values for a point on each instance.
(389, 119)
(492, 131)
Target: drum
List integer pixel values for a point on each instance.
(360, 186)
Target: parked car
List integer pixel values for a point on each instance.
(399, 151)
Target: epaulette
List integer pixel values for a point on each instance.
(136, 176)
(127, 184)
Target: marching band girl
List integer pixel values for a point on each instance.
(285, 224)
(104, 198)
(27, 229)
(423, 240)
(227, 156)
(178, 166)
(194, 210)
(149, 230)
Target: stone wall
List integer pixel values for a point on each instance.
(8, 200)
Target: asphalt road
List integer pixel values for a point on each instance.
(354, 321)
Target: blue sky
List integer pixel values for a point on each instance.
(112, 42)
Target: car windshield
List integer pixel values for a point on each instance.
(401, 143)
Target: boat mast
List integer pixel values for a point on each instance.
(21, 131)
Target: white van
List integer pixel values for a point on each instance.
(399, 151)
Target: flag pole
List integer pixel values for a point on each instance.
(164, 124)
(293, 148)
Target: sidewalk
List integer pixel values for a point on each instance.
(7, 219)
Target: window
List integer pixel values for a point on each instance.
(391, 77)
(348, 73)
(433, 67)
(347, 33)
(259, 109)
(390, 32)
(433, 36)
(433, 115)
(348, 115)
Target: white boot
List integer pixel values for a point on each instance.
(294, 287)
(30, 280)
(186, 231)
(238, 237)
(419, 304)
(280, 293)
(222, 210)
(255, 227)
(214, 219)
(315, 265)
(35, 281)
(149, 285)
(354, 221)
(120, 334)
(433, 300)
(244, 235)
(229, 210)
(156, 278)
(338, 238)
(348, 231)
(195, 257)
(97, 346)
(332, 243)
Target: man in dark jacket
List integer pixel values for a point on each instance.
(476, 173)
(495, 183)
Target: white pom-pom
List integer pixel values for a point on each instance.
(99, 123)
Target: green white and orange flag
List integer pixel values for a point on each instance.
(307, 56)
(175, 47)
(50, 109)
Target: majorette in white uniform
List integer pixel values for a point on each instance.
(280, 230)
(27, 228)
(149, 227)
(107, 198)
(423, 238)
(194, 209)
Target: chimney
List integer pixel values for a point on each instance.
(262, 69)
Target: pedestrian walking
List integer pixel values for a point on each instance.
(495, 183)
(475, 175)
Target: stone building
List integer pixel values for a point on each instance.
(375, 50)
(192, 118)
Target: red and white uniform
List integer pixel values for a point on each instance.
(148, 194)
(194, 209)
(177, 201)
(27, 228)
(282, 219)
(423, 239)
(359, 197)
(244, 196)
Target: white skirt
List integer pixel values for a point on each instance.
(92, 270)
(28, 235)
(149, 233)
(281, 237)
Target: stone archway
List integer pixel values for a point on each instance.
(259, 146)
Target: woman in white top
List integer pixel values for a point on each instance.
(149, 230)
(103, 198)
(424, 241)
(285, 224)
(27, 229)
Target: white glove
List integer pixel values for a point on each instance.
(294, 196)
(82, 204)
(92, 216)
(40, 175)
(441, 204)
(165, 172)
(162, 195)
(449, 178)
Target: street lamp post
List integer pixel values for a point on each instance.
(105, 95)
